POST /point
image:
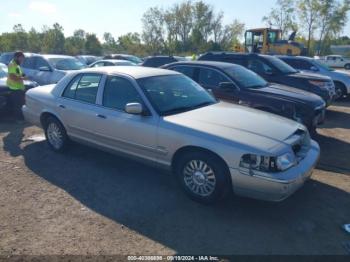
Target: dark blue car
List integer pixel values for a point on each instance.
(236, 84)
(274, 70)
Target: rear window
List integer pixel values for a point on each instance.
(66, 63)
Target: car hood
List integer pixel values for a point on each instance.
(341, 73)
(3, 81)
(237, 124)
(310, 76)
(291, 94)
(27, 83)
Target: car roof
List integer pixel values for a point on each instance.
(295, 57)
(160, 56)
(221, 65)
(56, 56)
(113, 61)
(133, 71)
(125, 55)
(46, 56)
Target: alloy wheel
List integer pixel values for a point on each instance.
(54, 135)
(199, 178)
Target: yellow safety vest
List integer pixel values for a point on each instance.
(14, 68)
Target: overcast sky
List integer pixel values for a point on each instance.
(115, 16)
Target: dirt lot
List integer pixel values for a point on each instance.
(90, 202)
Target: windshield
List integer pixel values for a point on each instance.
(3, 71)
(66, 63)
(134, 59)
(3, 74)
(173, 94)
(323, 66)
(124, 63)
(280, 65)
(6, 58)
(245, 78)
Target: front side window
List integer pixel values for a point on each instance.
(40, 63)
(258, 66)
(119, 92)
(298, 64)
(280, 65)
(100, 64)
(186, 70)
(66, 63)
(29, 63)
(245, 78)
(173, 94)
(83, 88)
(211, 78)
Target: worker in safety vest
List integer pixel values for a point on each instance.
(15, 83)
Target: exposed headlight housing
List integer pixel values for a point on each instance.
(317, 83)
(268, 163)
(285, 161)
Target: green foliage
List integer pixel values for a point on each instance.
(92, 45)
(323, 20)
(188, 27)
(191, 27)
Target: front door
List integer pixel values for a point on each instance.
(120, 131)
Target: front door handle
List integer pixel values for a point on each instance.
(61, 106)
(101, 116)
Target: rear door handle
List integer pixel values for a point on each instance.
(101, 116)
(61, 106)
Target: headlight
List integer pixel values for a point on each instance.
(267, 163)
(285, 161)
(318, 83)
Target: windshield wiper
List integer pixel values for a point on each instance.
(185, 108)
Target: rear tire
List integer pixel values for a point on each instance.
(203, 176)
(56, 135)
(347, 66)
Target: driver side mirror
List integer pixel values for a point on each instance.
(269, 72)
(45, 69)
(134, 108)
(228, 87)
(314, 68)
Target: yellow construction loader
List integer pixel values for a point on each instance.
(268, 41)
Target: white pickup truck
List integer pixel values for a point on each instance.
(336, 61)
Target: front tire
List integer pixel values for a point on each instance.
(347, 66)
(203, 176)
(56, 135)
(340, 90)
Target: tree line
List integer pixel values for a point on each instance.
(319, 23)
(191, 27)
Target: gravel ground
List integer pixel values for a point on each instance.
(87, 202)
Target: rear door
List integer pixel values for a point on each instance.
(77, 106)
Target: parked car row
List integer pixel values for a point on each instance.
(337, 61)
(227, 122)
(235, 84)
(340, 78)
(165, 118)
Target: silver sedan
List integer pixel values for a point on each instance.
(165, 118)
